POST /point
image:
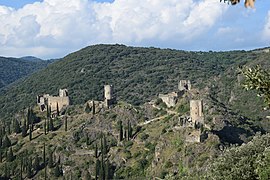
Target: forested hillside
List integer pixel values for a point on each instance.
(134, 139)
(138, 74)
(12, 69)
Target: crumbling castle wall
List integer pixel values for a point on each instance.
(184, 85)
(46, 100)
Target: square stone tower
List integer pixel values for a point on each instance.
(196, 111)
(109, 96)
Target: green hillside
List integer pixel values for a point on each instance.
(12, 69)
(135, 139)
(138, 74)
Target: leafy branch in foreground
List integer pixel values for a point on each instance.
(248, 3)
(258, 79)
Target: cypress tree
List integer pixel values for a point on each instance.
(93, 108)
(58, 170)
(129, 130)
(45, 126)
(65, 123)
(10, 156)
(50, 160)
(29, 168)
(121, 131)
(21, 169)
(97, 170)
(102, 170)
(96, 151)
(107, 169)
(36, 164)
(16, 126)
(8, 128)
(57, 109)
(51, 125)
(105, 145)
(1, 136)
(44, 154)
(6, 142)
(48, 111)
(28, 119)
(87, 108)
(48, 125)
(6, 171)
(45, 174)
(24, 129)
(30, 132)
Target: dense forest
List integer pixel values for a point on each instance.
(12, 69)
(138, 74)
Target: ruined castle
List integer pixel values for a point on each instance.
(61, 101)
(170, 99)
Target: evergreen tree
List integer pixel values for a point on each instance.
(1, 156)
(6, 171)
(45, 126)
(121, 131)
(65, 123)
(28, 119)
(102, 170)
(24, 129)
(96, 151)
(21, 169)
(44, 154)
(48, 125)
(107, 170)
(50, 160)
(87, 108)
(36, 164)
(8, 128)
(29, 168)
(48, 111)
(51, 127)
(57, 109)
(58, 170)
(16, 126)
(97, 170)
(10, 156)
(93, 108)
(1, 136)
(30, 132)
(129, 130)
(6, 142)
(45, 172)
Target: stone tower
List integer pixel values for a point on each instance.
(63, 93)
(109, 95)
(196, 111)
(184, 85)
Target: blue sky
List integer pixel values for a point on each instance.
(55, 28)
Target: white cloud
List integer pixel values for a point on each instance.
(56, 27)
(266, 31)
